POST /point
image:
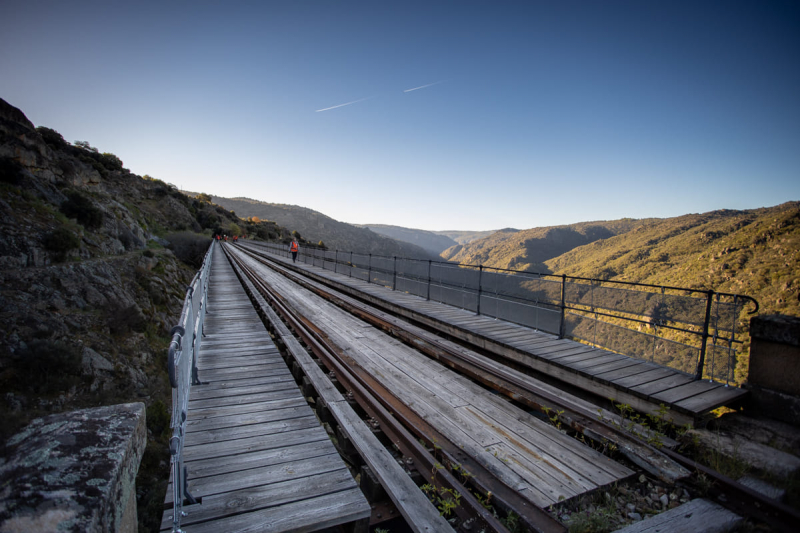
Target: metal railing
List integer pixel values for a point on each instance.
(693, 331)
(182, 366)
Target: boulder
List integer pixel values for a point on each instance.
(74, 472)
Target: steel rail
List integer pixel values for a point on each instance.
(737, 496)
(404, 427)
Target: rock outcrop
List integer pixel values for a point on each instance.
(93, 274)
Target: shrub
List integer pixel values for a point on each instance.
(122, 318)
(50, 366)
(86, 146)
(189, 247)
(51, 137)
(81, 208)
(60, 241)
(110, 161)
(10, 171)
(128, 239)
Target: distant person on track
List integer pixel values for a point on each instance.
(293, 247)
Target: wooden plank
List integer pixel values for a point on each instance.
(614, 375)
(233, 384)
(613, 365)
(686, 391)
(246, 419)
(644, 377)
(707, 401)
(211, 412)
(199, 393)
(299, 517)
(586, 353)
(696, 516)
(261, 475)
(244, 461)
(292, 432)
(606, 358)
(241, 501)
(277, 391)
(659, 385)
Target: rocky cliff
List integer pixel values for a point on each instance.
(91, 281)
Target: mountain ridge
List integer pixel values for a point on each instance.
(315, 226)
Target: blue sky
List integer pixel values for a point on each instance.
(540, 113)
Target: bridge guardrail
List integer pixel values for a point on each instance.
(182, 366)
(624, 317)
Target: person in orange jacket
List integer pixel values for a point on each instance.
(293, 247)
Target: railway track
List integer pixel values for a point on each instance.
(441, 462)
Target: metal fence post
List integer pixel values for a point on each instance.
(336, 262)
(429, 280)
(369, 269)
(563, 326)
(480, 278)
(351, 264)
(701, 361)
(394, 274)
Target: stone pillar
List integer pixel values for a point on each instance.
(74, 472)
(774, 374)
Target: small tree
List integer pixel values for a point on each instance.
(86, 146)
(203, 197)
(111, 161)
(51, 137)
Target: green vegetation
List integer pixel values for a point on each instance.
(60, 241)
(52, 137)
(48, 367)
(189, 247)
(80, 207)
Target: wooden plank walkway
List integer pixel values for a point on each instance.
(641, 384)
(544, 465)
(257, 456)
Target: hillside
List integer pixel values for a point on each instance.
(464, 237)
(429, 241)
(529, 249)
(94, 266)
(754, 252)
(314, 227)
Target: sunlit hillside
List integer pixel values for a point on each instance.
(529, 249)
(754, 252)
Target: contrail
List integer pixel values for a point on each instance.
(342, 105)
(423, 86)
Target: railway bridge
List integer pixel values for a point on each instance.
(307, 398)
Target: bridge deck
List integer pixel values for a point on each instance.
(641, 384)
(255, 452)
(541, 463)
